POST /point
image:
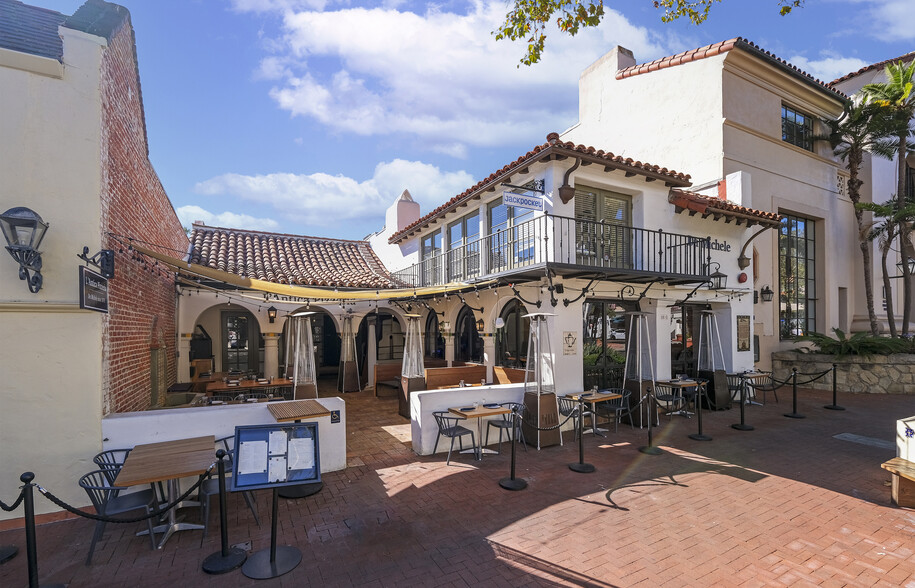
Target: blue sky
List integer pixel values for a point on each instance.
(311, 116)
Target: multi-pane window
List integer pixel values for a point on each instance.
(464, 247)
(604, 332)
(602, 228)
(797, 128)
(431, 259)
(512, 236)
(910, 182)
(797, 276)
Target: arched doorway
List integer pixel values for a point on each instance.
(512, 337)
(326, 344)
(434, 341)
(468, 345)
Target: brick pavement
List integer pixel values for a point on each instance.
(786, 504)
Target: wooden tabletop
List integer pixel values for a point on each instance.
(295, 410)
(479, 412)
(157, 462)
(593, 398)
(678, 383)
(247, 385)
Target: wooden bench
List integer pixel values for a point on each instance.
(504, 375)
(387, 374)
(903, 472)
(450, 377)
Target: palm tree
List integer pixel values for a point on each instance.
(898, 97)
(862, 128)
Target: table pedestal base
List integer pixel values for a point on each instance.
(8, 552)
(742, 427)
(651, 450)
(220, 564)
(301, 490)
(259, 566)
(582, 468)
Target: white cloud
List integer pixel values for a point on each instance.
(324, 200)
(439, 76)
(895, 19)
(188, 214)
(829, 67)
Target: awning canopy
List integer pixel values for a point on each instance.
(194, 271)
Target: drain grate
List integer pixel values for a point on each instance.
(862, 440)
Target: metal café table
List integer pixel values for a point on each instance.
(168, 461)
(295, 411)
(593, 399)
(680, 384)
(479, 413)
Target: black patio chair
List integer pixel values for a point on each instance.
(671, 397)
(569, 408)
(615, 409)
(506, 422)
(448, 426)
(109, 502)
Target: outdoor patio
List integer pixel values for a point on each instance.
(786, 504)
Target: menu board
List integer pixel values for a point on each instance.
(270, 456)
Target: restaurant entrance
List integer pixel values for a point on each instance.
(604, 342)
(684, 328)
(240, 342)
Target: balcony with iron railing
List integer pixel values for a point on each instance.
(568, 246)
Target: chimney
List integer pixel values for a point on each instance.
(403, 212)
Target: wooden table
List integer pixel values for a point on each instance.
(593, 399)
(295, 411)
(168, 461)
(246, 386)
(479, 413)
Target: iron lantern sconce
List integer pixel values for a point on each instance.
(271, 313)
(480, 325)
(717, 280)
(23, 230)
(766, 294)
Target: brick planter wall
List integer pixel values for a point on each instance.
(877, 374)
(134, 204)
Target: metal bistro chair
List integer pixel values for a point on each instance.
(449, 427)
(569, 408)
(764, 384)
(615, 409)
(107, 502)
(112, 460)
(210, 488)
(734, 384)
(506, 422)
(672, 399)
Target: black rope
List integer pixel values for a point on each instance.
(528, 423)
(773, 385)
(15, 504)
(816, 377)
(96, 517)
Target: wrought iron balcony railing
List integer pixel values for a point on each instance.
(569, 242)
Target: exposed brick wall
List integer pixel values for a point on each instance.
(134, 204)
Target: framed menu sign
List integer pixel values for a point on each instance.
(271, 456)
(93, 290)
(743, 332)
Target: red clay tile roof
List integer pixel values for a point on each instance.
(288, 259)
(30, 29)
(724, 47)
(903, 58)
(552, 149)
(717, 208)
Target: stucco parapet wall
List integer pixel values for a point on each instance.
(876, 374)
(44, 66)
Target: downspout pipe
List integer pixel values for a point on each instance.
(566, 192)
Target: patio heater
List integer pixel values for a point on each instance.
(638, 372)
(710, 362)
(299, 337)
(413, 375)
(540, 385)
(348, 375)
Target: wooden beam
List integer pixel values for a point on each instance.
(650, 179)
(629, 174)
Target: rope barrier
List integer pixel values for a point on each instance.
(96, 517)
(535, 427)
(15, 504)
(817, 375)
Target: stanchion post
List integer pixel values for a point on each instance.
(794, 414)
(700, 392)
(650, 449)
(834, 406)
(581, 467)
(513, 483)
(228, 558)
(742, 425)
(30, 546)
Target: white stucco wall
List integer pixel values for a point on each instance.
(51, 389)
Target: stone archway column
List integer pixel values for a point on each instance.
(489, 354)
(449, 347)
(184, 357)
(271, 355)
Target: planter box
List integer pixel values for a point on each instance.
(876, 374)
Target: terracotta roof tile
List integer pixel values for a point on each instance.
(903, 58)
(544, 151)
(717, 207)
(289, 259)
(724, 47)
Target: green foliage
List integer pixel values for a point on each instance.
(858, 344)
(592, 353)
(528, 18)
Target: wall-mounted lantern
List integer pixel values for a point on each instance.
(24, 230)
(717, 280)
(271, 313)
(766, 294)
(480, 325)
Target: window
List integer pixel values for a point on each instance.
(797, 128)
(464, 247)
(602, 228)
(797, 276)
(431, 258)
(512, 231)
(909, 182)
(604, 332)
(511, 339)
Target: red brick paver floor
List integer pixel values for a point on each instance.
(785, 504)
